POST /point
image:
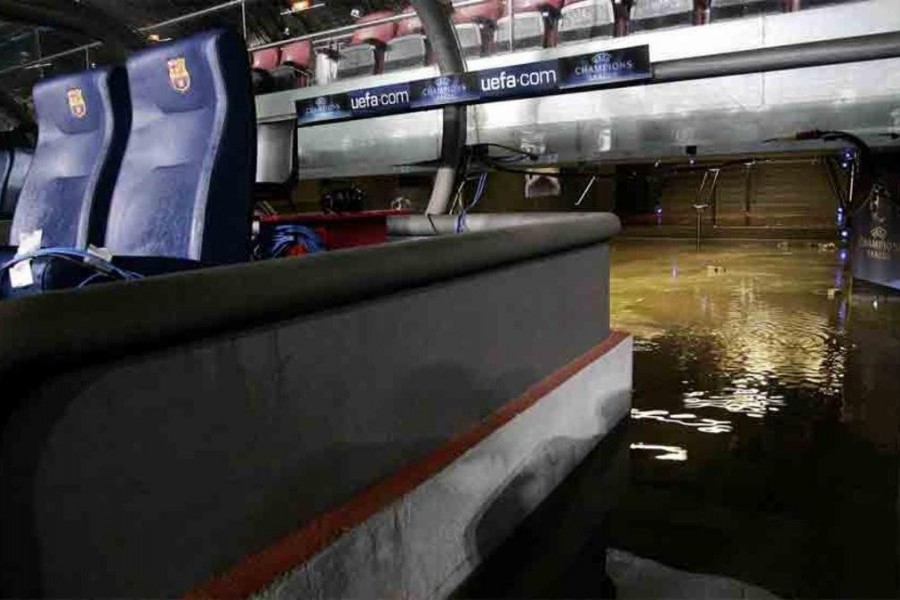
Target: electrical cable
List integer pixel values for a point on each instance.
(519, 151)
(505, 169)
(479, 191)
(287, 235)
(77, 257)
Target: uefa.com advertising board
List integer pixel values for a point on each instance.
(559, 75)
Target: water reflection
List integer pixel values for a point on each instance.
(751, 402)
(675, 453)
(776, 375)
(748, 326)
(687, 420)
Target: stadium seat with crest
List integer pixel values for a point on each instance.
(83, 122)
(183, 195)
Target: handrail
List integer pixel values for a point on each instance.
(50, 58)
(346, 30)
(197, 13)
(328, 34)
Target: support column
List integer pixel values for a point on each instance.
(435, 16)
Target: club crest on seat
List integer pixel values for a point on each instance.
(179, 76)
(77, 106)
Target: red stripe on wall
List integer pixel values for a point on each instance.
(257, 571)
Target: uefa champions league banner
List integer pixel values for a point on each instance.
(568, 74)
(876, 241)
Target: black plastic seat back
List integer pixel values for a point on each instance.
(16, 169)
(734, 9)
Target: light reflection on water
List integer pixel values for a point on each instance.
(675, 453)
(686, 420)
(737, 328)
(765, 415)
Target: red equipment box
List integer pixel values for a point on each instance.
(341, 230)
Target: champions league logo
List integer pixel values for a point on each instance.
(602, 65)
(321, 107)
(444, 88)
(877, 245)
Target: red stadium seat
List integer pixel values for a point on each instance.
(586, 19)
(535, 24)
(475, 25)
(734, 9)
(410, 48)
(263, 62)
(296, 65)
(660, 14)
(365, 53)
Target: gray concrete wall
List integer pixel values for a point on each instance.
(145, 474)
(426, 543)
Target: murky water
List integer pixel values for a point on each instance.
(763, 439)
(764, 430)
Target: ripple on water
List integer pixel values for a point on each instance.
(686, 420)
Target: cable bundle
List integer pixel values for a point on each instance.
(479, 192)
(82, 258)
(289, 235)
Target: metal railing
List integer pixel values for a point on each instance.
(329, 35)
(325, 36)
(42, 61)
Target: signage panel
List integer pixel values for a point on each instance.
(876, 242)
(574, 73)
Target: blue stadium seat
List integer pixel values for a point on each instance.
(83, 122)
(16, 163)
(184, 188)
(82, 127)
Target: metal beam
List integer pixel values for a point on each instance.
(793, 56)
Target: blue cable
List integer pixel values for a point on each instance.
(479, 191)
(286, 235)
